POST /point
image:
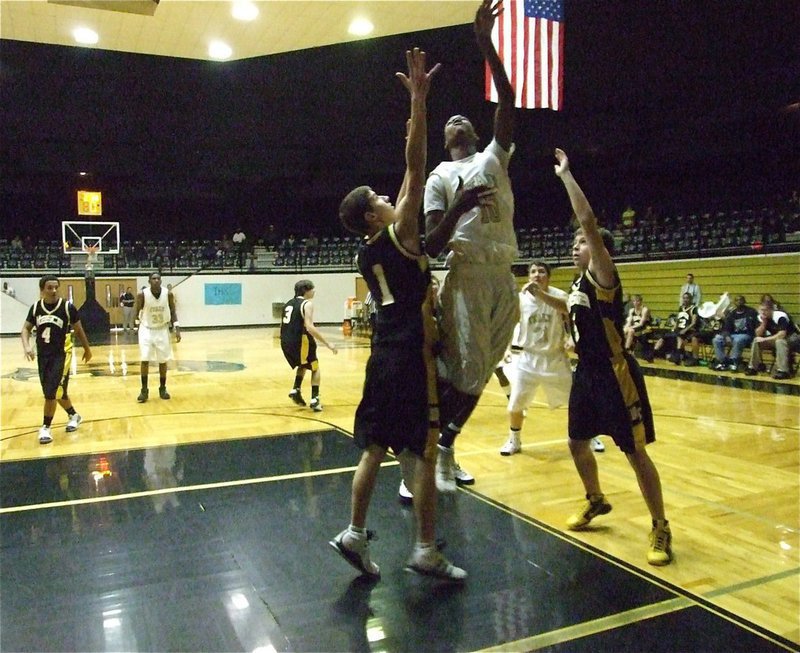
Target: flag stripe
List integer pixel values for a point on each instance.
(532, 51)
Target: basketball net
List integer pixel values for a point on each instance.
(91, 256)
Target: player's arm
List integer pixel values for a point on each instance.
(77, 327)
(403, 187)
(440, 225)
(601, 266)
(25, 334)
(409, 201)
(504, 114)
(555, 303)
(308, 322)
(138, 306)
(173, 312)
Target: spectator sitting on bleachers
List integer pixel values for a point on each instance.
(637, 321)
(16, 243)
(776, 332)
(766, 297)
(684, 331)
(8, 290)
(739, 329)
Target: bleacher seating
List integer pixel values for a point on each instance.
(705, 234)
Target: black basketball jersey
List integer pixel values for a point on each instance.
(596, 317)
(398, 281)
(53, 324)
(685, 317)
(293, 325)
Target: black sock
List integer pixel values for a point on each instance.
(298, 381)
(162, 381)
(448, 435)
(314, 391)
(144, 381)
(47, 421)
(70, 411)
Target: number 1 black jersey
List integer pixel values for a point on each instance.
(399, 281)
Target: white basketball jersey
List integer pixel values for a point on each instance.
(541, 332)
(484, 234)
(155, 313)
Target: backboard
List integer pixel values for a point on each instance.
(78, 236)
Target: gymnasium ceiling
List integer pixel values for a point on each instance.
(184, 28)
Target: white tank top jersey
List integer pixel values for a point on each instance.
(541, 333)
(484, 234)
(155, 314)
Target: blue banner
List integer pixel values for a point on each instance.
(223, 293)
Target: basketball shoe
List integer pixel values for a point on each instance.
(429, 561)
(513, 444)
(45, 435)
(354, 548)
(73, 422)
(595, 505)
(660, 552)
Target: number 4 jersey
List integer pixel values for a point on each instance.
(53, 324)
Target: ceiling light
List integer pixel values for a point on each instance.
(219, 50)
(85, 36)
(243, 10)
(360, 27)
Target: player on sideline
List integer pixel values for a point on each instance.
(608, 392)
(156, 308)
(53, 316)
(479, 295)
(398, 406)
(299, 338)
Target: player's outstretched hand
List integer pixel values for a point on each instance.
(418, 80)
(485, 17)
(333, 348)
(30, 354)
(563, 162)
(177, 335)
(87, 355)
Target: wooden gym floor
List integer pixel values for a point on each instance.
(201, 523)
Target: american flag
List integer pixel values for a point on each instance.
(529, 37)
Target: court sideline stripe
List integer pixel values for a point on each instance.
(699, 600)
(186, 488)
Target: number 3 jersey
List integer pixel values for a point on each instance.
(53, 323)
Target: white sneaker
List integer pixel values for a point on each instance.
(463, 477)
(429, 561)
(74, 422)
(446, 470)
(355, 550)
(513, 445)
(316, 404)
(404, 495)
(45, 435)
(597, 445)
